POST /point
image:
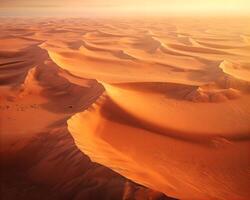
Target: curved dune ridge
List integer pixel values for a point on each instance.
(110, 139)
(240, 71)
(164, 103)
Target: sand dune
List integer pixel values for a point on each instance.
(113, 144)
(165, 104)
(239, 71)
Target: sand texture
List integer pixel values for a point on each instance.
(125, 109)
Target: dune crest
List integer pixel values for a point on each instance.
(163, 103)
(241, 72)
(213, 95)
(108, 137)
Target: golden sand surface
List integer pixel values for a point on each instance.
(164, 102)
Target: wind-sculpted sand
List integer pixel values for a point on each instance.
(163, 102)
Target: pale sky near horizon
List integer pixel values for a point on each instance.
(113, 7)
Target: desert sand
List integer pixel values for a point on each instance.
(125, 108)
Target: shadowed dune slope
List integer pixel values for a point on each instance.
(39, 159)
(120, 109)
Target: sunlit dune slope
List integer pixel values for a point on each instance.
(203, 166)
(240, 71)
(163, 102)
(169, 126)
(39, 159)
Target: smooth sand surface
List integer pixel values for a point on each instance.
(163, 102)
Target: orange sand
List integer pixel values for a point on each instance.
(164, 103)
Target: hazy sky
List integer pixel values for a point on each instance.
(126, 7)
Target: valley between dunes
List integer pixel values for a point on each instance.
(125, 108)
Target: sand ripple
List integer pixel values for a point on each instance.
(173, 99)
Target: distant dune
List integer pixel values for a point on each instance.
(119, 109)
